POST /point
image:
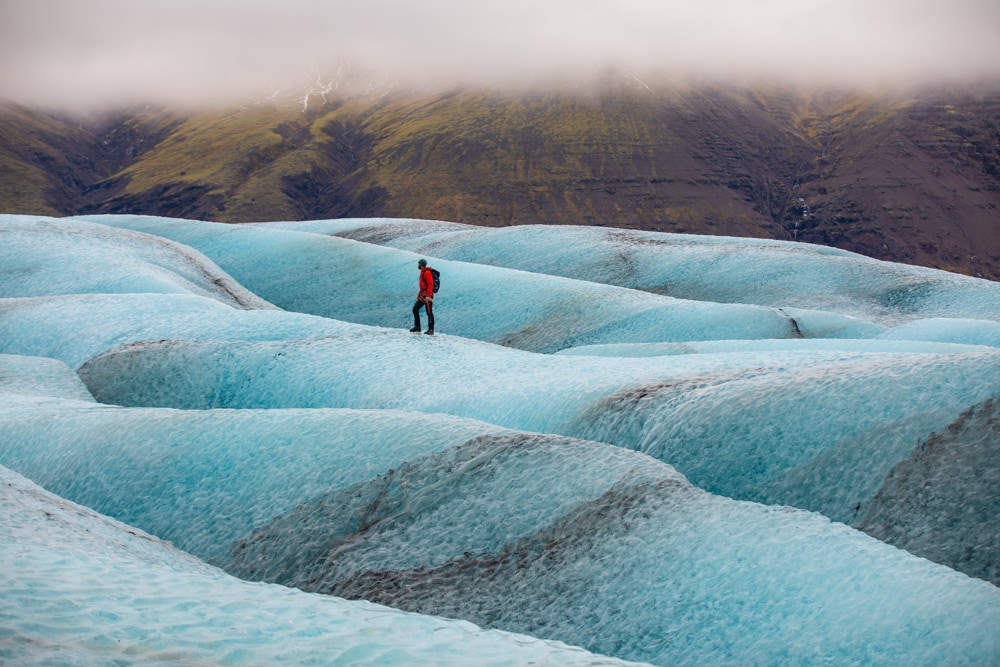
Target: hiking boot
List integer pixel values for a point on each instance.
(429, 332)
(415, 329)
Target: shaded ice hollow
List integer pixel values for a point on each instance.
(921, 509)
(497, 485)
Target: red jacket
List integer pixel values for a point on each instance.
(426, 282)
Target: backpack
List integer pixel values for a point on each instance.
(437, 279)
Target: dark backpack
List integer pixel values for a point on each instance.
(437, 279)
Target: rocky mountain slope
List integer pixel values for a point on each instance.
(912, 178)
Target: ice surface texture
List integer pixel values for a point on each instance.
(705, 268)
(605, 548)
(372, 285)
(818, 430)
(45, 256)
(74, 328)
(694, 578)
(77, 588)
(941, 502)
(450, 475)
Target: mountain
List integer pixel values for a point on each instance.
(909, 178)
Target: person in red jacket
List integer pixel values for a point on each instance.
(425, 298)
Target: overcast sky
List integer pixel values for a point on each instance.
(93, 52)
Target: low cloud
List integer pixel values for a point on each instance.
(106, 52)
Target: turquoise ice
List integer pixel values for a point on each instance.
(660, 448)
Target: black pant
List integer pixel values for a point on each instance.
(429, 305)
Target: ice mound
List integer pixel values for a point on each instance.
(46, 256)
(941, 503)
(644, 566)
(705, 268)
(757, 426)
(968, 331)
(373, 285)
(203, 479)
(770, 345)
(27, 381)
(78, 588)
(591, 544)
(76, 327)
(442, 505)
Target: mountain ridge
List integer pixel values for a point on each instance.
(911, 178)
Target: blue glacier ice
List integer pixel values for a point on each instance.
(607, 549)
(706, 268)
(76, 327)
(816, 429)
(47, 256)
(948, 330)
(370, 284)
(920, 508)
(682, 451)
(78, 588)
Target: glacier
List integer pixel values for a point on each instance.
(610, 445)
(311, 273)
(775, 273)
(82, 589)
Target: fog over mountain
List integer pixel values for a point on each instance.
(109, 52)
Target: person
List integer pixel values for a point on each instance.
(425, 298)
